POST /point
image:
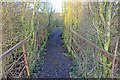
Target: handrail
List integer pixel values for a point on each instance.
(107, 54)
(13, 48)
(17, 45)
(21, 43)
(42, 28)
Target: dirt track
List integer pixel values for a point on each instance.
(56, 65)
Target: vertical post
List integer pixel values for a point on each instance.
(43, 36)
(70, 41)
(25, 58)
(45, 32)
(35, 40)
(79, 47)
(38, 41)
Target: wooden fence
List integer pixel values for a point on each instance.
(92, 61)
(16, 63)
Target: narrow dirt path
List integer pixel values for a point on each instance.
(56, 64)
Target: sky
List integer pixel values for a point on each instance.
(57, 4)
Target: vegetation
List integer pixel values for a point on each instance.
(21, 20)
(90, 34)
(97, 22)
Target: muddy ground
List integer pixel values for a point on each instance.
(56, 65)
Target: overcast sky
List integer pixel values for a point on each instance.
(57, 4)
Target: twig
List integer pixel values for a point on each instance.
(114, 58)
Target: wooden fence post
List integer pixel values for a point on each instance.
(38, 41)
(45, 32)
(35, 37)
(43, 36)
(70, 41)
(25, 58)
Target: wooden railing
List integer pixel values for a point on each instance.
(107, 54)
(15, 58)
(90, 57)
